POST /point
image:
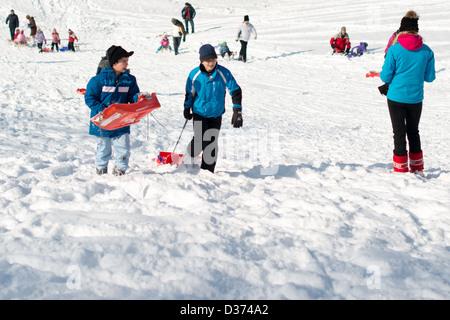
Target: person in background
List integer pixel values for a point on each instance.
(177, 33)
(13, 20)
(206, 87)
(340, 43)
(21, 38)
(33, 27)
(244, 34)
(16, 34)
(56, 41)
(225, 51)
(188, 14)
(40, 39)
(72, 39)
(164, 44)
(408, 64)
(113, 84)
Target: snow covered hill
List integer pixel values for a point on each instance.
(303, 204)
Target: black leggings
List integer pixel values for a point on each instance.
(405, 120)
(176, 44)
(206, 135)
(243, 52)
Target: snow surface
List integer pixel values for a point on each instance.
(303, 204)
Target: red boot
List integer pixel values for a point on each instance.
(400, 163)
(416, 162)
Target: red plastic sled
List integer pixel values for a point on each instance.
(169, 158)
(119, 115)
(372, 74)
(81, 91)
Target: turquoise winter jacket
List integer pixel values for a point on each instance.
(105, 89)
(205, 92)
(407, 65)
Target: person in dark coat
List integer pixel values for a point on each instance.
(188, 14)
(13, 20)
(32, 26)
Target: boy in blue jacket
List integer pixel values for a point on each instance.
(205, 102)
(113, 84)
(409, 62)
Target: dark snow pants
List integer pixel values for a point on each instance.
(186, 21)
(176, 44)
(13, 31)
(405, 120)
(243, 52)
(206, 135)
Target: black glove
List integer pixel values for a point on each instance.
(347, 51)
(384, 89)
(332, 46)
(187, 113)
(236, 120)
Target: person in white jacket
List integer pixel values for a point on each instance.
(244, 34)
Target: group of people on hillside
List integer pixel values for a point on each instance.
(179, 32)
(37, 35)
(408, 63)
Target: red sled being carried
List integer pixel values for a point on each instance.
(119, 115)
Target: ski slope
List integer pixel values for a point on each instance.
(303, 204)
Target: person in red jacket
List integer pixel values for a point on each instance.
(341, 42)
(72, 38)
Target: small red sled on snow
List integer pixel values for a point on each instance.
(81, 91)
(172, 158)
(119, 115)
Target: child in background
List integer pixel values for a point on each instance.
(40, 39)
(165, 44)
(16, 34)
(225, 50)
(55, 40)
(21, 38)
(72, 38)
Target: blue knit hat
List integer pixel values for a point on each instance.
(207, 52)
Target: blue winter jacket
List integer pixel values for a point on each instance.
(205, 92)
(105, 89)
(407, 65)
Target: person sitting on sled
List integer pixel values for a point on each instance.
(114, 84)
(358, 50)
(165, 44)
(340, 43)
(21, 38)
(225, 51)
(16, 34)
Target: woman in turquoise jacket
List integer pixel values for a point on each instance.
(114, 84)
(408, 64)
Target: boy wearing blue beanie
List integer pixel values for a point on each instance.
(205, 102)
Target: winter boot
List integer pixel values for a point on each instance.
(102, 171)
(416, 162)
(400, 163)
(118, 172)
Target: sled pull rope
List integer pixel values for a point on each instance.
(180, 136)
